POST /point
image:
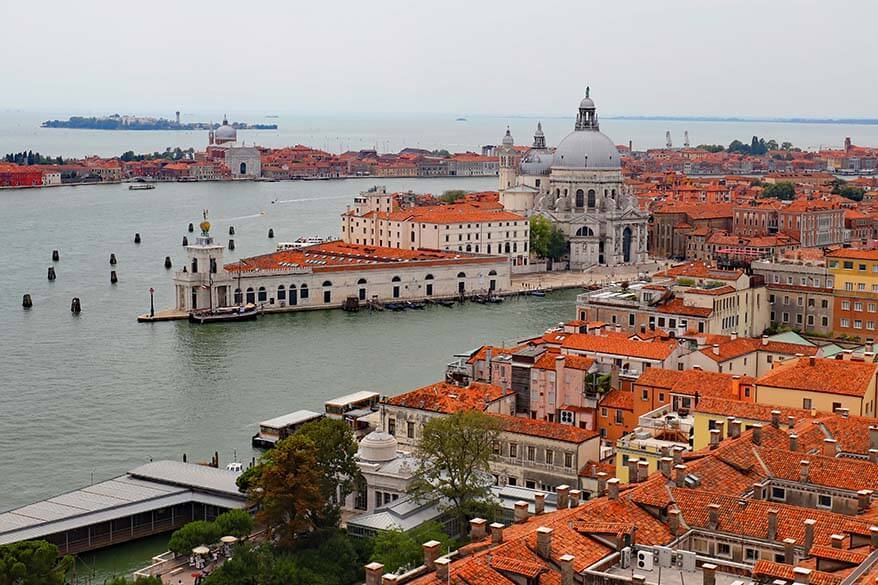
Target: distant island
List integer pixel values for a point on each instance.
(867, 121)
(117, 122)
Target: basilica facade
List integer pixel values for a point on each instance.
(579, 188)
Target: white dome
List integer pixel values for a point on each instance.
(587, 149)
(377, 446)
(536, 162)
(226, 132)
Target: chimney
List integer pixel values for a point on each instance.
(791, 422)
(764, 340)
(873, 537)
(575, 496)
(864, 498)
(521, 512)
(846, 356)
(714, 438)
(772, 524)
(794, 442)
(757, 491)
(539, 503)
(735, 428)
(870, 345)
(757, 434)
(843, 412)
(602, 483)
(677, 453)
(432, 548)
(804, 465)
(789, 551)
(809, 534)
(561, 495)
(497, 533)
(566, 562)
(736, 386)
(544, 542)
(775, 419)
(829, 447)
(680, 477)
(715, 349)
(638, 579)
(708, 572)
(812, 361)
(665, 464)
(720, 425)
(873, 455)
(801, 575)
(734, 335)
(613, 488)
(873, 437)
(632, 470)
(389, 579)
(443, 569)
(674, 521)
(837, 540)
(374, 571)
(713, 516)
(477, 529)
(642, 470)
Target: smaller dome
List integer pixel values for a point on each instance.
(507, 139)
(226, 132)
(377, 446)
(587, 103)
(536, 162)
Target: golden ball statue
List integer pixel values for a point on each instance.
(205, 226)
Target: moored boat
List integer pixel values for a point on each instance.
(141, 186)
(225, 314)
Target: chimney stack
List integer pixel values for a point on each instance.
(812, 361)
(764, 340)
(775, 419)
(566, 562)
(497, 533)
(873, 455)
(389, 579)
(720, 425)
(714, 438)
(735, 428)
(801, 575)
(791, 422)
(843, 412)
(632, 470)
(789, 551)
(521, 513)
(734, 335)
(873, 437)
(713, 516)
(642, 470)
(873, 537)
(708, 572)
(677, 453)
(665, 464)
(674, 521)
(443, 569)
(544, 542)
(757, 434)
(613, 488)
(561, 493)
(477, 529)
(864, 499)
(772, 524)
(794, 442)
(809, 534)
(715, 349)
(804, 466)
(575, 496)
(638, 579)
(829, 447)
(680, 475)
(432, 549)
(602, 482)
(374, 571)
(837, 540)
(539, 503)
(757, 491)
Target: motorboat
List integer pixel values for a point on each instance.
(247, 312)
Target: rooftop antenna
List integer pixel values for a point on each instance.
(685, 139)
(668, 143)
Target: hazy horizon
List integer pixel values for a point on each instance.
(742, 58)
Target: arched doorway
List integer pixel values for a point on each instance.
(294, 295)
(243, 168)
(362, 283)
(429, 279)
(492, 283)
(251, 295)
(461, 284)
(396, 280)
(626, 244)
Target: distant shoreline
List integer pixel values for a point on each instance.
(858, 121)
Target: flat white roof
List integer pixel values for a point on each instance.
(294, 418)
(350, 398)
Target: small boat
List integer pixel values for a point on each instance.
(415, 305)
(445, 303)
(460, 120)
(495, 300)
(396, 307)
(141, 186)
(537, 293)
(223, 315)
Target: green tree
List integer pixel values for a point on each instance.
(452, 195)
(853, 193)
(33, 562)
(194, 534)
(546, 240)
(336, 462)
(711, 147)
(453, 453)
(784, 190)
(139, 580)
(235, 523)
(395, 548)
(285, 487)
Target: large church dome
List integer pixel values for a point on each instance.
(587, 147)
(226, 133)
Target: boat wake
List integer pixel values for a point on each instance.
(303, 199)
(251, 216)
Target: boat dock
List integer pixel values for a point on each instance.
(151, 499)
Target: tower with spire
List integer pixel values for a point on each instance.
(539, 138)
(507, 161)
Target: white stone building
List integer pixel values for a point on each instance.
(242, 161)
(579, 187)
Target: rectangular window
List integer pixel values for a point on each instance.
(644, 395)
(531, 453)
(778, 493)
(604, 412)
(410, 429)
(723, 550)
(845, 305)
(848, 265)
(845, 322)
(751, 554)
(513, 450)
(568, 459)
(550, 457)
(858, 306)
(858, 324)
(824, 501)
(391, 426)
(619, 419)
(806, 403)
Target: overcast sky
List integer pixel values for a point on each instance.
(640, 57)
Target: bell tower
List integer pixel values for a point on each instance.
(507, 162)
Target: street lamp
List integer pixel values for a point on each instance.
(151, 302)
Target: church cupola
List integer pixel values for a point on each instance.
(587, 118)
(507, 138)
(539, 137)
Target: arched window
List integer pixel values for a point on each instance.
(492, 273)
(613, 192)
(361, 281)
(580, 198)
(327, 283)
(243, 168)
(506, 248)
(395, 279)
(263, 294)
(584, 231)
(469, 248)
(281, 293)
(327, 291)
(238, 297)
(591, 198)
(428, 277)
(362, 290)
(194, 265)
(303, 291)
(251, 295)
(294, 294)
(461, 275)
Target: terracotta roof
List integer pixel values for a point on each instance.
(836, 472)
(618, 398)
(592, 468)
(829, 376)
(851, 433)
(838, 554)
(744, 345)
(783, 571)
(747, 410)
(544, 429)
(692, 381)
(854, 254)
(676, 306)
(447, 398)
(618, 345)
(549, 359)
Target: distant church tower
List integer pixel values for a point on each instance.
(507, 161)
